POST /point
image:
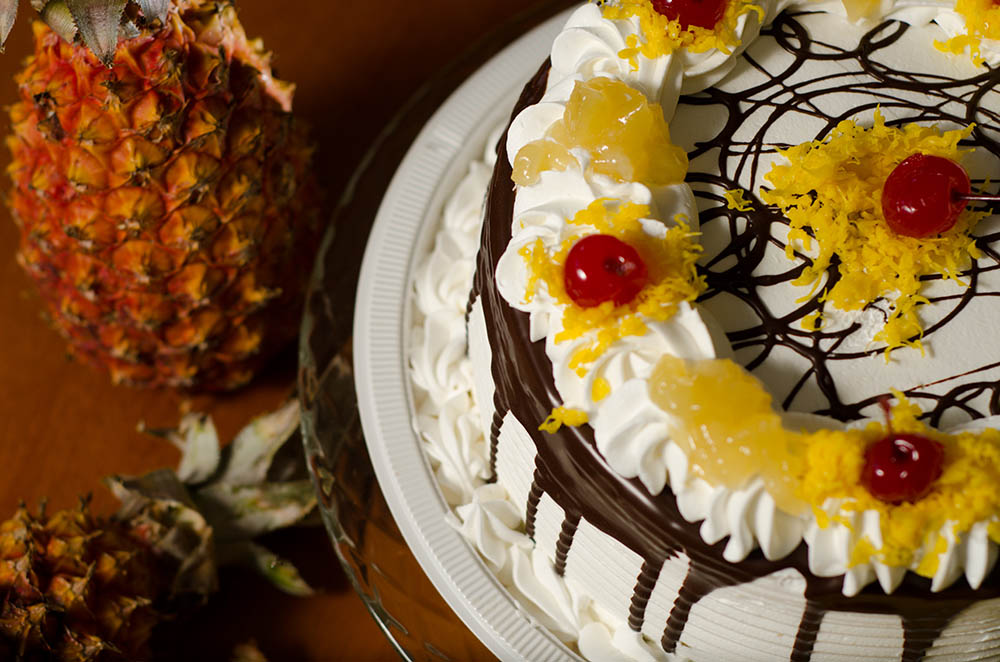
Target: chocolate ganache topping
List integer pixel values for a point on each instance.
(569, 467)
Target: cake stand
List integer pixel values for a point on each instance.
(419, 623)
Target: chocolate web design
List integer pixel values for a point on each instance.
(739, 158)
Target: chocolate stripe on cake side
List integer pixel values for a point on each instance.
(567, 533)
(644, 584)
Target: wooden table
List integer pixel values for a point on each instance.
(64, 426)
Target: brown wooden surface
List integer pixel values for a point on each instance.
(63, 426)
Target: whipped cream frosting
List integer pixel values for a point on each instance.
(447, 418)
(451, 429)
(630, 430)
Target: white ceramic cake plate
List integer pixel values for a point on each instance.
(401, 234)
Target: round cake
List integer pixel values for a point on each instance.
(705, 396)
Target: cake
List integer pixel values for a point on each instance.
(685, 471)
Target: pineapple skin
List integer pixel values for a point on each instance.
(75, 588)
(166, 205)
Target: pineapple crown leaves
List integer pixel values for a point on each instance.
(162, 515)
(255, 485)
(8, 12)
(98, 23)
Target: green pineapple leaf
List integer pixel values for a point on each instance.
(247, 459)
(154, 9)
(8, 12)
(57, 16)
(281, 573)
(98, 21)
(242, 512)
(162, 484)
(161, 514)
(199, 444)
(217, 501)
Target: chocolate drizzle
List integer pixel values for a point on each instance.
(495, 425)
(571, 470)
(531, 509)
(678, 617)
(735, 157)
(805, 637)
(566, 535)
(640, 594)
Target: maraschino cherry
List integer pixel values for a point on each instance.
(924, 195)
(901, 467)
(602, 268)
(703, 13)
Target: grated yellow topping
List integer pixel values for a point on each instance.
(735, 200)
(862, 553)
(831, 193)
(662, 36)
(600, 389)
(670, 263)
(982, 21)
(966, 492)
(561, 416)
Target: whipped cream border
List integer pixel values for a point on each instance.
(630, 430)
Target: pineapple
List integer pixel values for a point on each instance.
(77, 588)
(162, 188)
(80, 588)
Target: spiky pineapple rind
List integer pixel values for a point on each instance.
(74, 587)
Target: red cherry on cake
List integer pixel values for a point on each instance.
(901, 467)
(924, 195)
(602, 268)
(703, 13)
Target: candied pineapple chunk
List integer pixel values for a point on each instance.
(724, 422)
(537, 156)
(625, 135)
